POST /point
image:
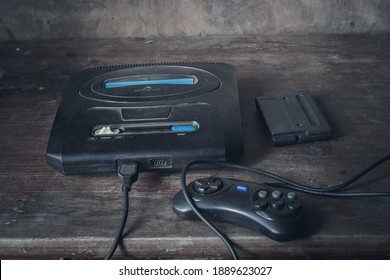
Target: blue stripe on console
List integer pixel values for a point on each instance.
(181, 81)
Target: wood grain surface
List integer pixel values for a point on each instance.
(44, 214)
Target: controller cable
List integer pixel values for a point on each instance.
(332, 191)
(128, 174)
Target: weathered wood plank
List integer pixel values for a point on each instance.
(44, 214)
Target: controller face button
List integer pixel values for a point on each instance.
(260, 204)
(291, 195)
(277, 204)
(277, 194)
(263, 194)
(295, 205)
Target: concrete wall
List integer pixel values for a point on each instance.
(45, 19)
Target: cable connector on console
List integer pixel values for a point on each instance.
(128, 173)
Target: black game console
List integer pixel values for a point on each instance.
(158, 115)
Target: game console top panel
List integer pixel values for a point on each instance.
(160, 115)
(150, 83)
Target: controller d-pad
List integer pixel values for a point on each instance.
(207, 185)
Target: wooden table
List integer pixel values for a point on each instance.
(44, 214)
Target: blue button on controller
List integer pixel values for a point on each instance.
(242, 188)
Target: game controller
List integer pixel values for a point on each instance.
(271, 211)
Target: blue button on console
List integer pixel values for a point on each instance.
(184, 128)
(242, 188)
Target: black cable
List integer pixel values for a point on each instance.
(187, 196)
(118, 236)
(128, 174)
(328, 191)
(300, 187)
(359, 175)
